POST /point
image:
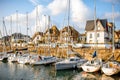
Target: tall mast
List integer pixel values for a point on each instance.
(4, 42)
(27, 24)
(113, 46)
(68, 39)
(68, 20)
(17, 23)
(49, 34)
(95, 25)
(11, 23)
(36, 18)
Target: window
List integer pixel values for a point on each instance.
(38, 37)
(98, 28)
(90, 35)
(98, 35)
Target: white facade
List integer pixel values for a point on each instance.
(37, 39)
(100, 37)
(102, 34)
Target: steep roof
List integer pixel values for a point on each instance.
(90, 24)
(37, 33)
(117, 33)
(53, 31)
(71, 29)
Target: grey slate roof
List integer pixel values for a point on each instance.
(90, 24)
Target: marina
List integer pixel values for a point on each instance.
(60, 40)
(15, 71)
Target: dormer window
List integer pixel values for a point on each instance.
(98, 28)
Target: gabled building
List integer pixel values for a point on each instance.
(117, 38)
(19, 39)
(103, 31)
(37, 38)
(69, 34)
(53, 33)
(82, 38)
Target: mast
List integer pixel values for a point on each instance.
(49, 34)
(68, 23)
(4, 42)
(17, 23)
(113, 46)
(27, 25)
(36, 18)
(68, 20)
(95, 25)
(11, 23)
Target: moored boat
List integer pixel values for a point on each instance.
(111, 68)
(92, 66)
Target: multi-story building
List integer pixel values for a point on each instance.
(102, 34)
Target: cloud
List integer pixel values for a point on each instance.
(34, 2)
(57, 6)
(79, 14)
(36, 22)
(113, 1)
(109, 15)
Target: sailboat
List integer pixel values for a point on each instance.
(111, 67)
(94, 64)
(69, 62)
(39, 60)
(3, 55)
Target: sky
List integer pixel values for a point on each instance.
(16, 12)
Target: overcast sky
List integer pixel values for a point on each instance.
(80, 11)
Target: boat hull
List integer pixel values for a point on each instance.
(91, 68)
(110, 71)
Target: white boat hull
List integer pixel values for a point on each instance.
(22, 60)
(12, 59)
(110, 71)
(43, 62)
(91, 68)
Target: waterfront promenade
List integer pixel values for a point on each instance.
(61, 52)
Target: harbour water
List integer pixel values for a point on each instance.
(14, 71)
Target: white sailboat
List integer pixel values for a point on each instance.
(95, 64)
(12, 58)
(23, 59)
(3, 55)
(92, 66)
(38, 60)
(69, 62)
(111, 67)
